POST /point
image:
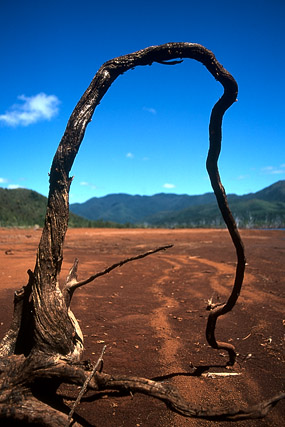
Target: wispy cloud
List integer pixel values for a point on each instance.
(150, 110)
(31, 110)
(88, 184)
(241, 177)
(168, 185)
(5, 181)
(273, 170)
(130, 155)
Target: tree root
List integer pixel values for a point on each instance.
(22, 374)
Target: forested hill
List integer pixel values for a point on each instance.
(26, 208)
(263, 209)
(266, 208)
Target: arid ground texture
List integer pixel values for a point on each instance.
(151, 314)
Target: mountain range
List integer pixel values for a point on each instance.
(263, 209)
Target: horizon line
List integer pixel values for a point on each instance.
(143, 195)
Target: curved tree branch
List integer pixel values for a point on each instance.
(215, 132)
(49, 256)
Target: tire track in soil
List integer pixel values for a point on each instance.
(170, 342)
(159, 319)
(189, 387)
(249, 295)
(200, 391)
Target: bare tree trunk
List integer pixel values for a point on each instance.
(44, 343)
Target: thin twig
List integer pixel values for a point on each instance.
(245, 338)
(84, 387)
(76, 285)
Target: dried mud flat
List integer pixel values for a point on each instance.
(151, 314)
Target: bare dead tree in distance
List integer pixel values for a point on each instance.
(44, 344)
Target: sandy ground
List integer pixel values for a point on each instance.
(151, 315)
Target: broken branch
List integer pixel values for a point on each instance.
(85, 386)
(71, 286)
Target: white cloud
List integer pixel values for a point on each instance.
(168, 186)
(130, 155)
(13, 186)
(150, 110)
(9, 186)
(88, 184)
(272, 170)
(32, 110)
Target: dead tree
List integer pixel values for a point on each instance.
(44, 345)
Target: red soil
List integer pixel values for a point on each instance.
(151, 315)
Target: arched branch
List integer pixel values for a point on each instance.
(57, 211)
(49, 256)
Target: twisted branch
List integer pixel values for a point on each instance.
(215, 132)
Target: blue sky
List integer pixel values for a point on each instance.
(150, 132)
